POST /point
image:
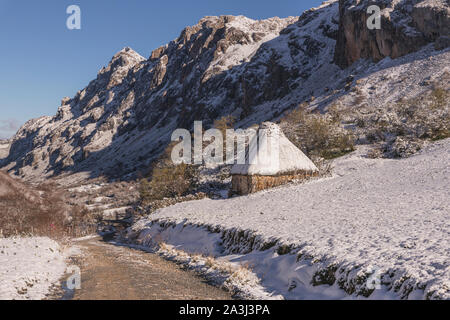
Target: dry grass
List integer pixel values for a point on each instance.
(38, 211)
(238, 275)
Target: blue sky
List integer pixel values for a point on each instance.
(42, 61)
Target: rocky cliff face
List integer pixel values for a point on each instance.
(406, 26)
(253, 70)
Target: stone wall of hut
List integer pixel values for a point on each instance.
(246, 184)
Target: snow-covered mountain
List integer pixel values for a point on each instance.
(254, 70)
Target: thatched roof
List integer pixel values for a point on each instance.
(277, 155)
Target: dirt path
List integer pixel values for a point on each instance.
(112, 272)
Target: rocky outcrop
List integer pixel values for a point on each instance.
(406, 26)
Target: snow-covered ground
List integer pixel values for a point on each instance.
(29, 267)
(375, 219)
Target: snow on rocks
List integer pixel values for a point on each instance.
(328, 237)
(86, 188)
(116, 213)
(29, 267)
(260, 32)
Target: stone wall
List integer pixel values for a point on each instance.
(244, 184)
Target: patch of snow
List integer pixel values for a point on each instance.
(86, 188)
(115, 213)
(238, 278)
(239, 53)
(92, 236)
(29, 267)
(92, 207)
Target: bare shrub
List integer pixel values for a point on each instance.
(325, 166)
(405, 125)
(375, 152)
(168, 180)
(316, 134)
(439, 98)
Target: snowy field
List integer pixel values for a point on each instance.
(375, 221)
(29, 267)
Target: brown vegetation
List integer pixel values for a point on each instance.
(38, 211)
(246, 184)
(317, 135)
(168, 180)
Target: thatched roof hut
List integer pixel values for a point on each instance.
(278, 161)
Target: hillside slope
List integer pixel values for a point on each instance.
(325, 238)
(32, 209)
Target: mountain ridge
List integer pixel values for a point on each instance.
(254, 70)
